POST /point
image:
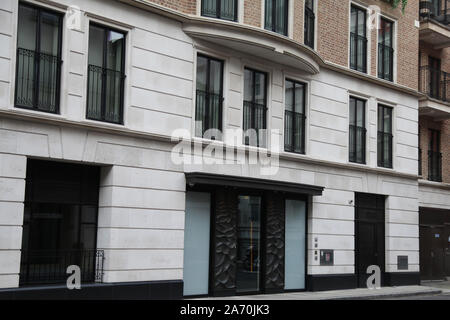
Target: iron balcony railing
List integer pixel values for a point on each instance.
(358, 52)
(37, 80)
(208, 113)
(50, 266)
(385, 62)
(385, 149)
(254, 118)
(220, 9)
(435, 83)
(357, 142)
(438, 10)
(294, 132)
(434, 166)
(105, 94)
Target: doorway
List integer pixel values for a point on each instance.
(369, 235)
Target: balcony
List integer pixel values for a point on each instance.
(39, 267)
(435, 23)
(436, 85)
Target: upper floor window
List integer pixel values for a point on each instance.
(209, 98)
(220, 9)
(435, 156)
(294, 119)
(385, 136)
(255, 107)
(309, 27)
(358, 40)
(38, 69)
(386, 50)
(106, 74)
(276, 16)
(357, 131)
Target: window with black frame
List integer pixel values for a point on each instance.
(357, 131)
(209, 98)
(38, 66)
(434, 156)
(255, 109)
(309, 27)
(294, 119)
(358, 40)
(276, 16)
(385, 136)
(220, 9)
(106, 77)
(386, 50)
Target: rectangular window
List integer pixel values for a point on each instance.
(255, 110)
(357, 131)
(209, 98)
(435, 156)
(276, 16)
(38, 69)
(309, 27)
(106, 76)
(384, 136)
(386, 50)
(436, 78)
(294, 119)
(358, 40)
(220, 9)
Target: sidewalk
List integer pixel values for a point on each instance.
(352, 294)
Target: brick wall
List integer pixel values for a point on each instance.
(253, 12)
(444, 127)
(185, 6)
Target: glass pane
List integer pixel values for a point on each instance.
(280, 14)
(289, 96)
(387, 120)
(96, 43)
(309, 4)
(269, 14)
(295, 233)
(202, 67)
(352, 111)
(114, 45)
(248, 85)
(196, 244)
(215, 77)
(249, 237)
(354, 18)
(299, 98)
(388, 34)
(209, 8)
(26, 33)
(360, 114)
(361, 23)
(113, 96)
(49, 40)
(260, 88)
(228, 9)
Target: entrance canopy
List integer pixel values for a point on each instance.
(198, 178)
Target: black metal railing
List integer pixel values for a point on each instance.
(50, 267)
(435, 83)
(294, 132)
(385, 149)
(220, 9)
(358, 45)
(434, 166)
(37, 80)
(438, 10)
(357, 144)
(254, 118)
(385, 62)
(208, 113)
(105, 94)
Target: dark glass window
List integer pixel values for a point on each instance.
(294, 119)
(309, 27)
(220, 9)
(106, 76)
(209, 97)
(276, 16)
(357, 131)
(386, 50)
(384, 136)
(358, 40)
(435, 156)
(255, 110)
(38, 72)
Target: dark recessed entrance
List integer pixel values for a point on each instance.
(60, 222)
(369, 235)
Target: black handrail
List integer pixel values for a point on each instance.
(208, 112)
(435, 83)
(437, 10)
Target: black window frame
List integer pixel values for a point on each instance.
(434, 156)
(382, 134)
(383, 47)
(104, 68)
(353, 156)
(293, 114)
(355, 37)
(37, 53)
(274, 17)
(310, 20)
(218, 14)
(260, 144)
(207, 93)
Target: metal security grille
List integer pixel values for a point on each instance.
(38, 66)
(220, 9)
(385, 136)
(357, 131)
(294, 119)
